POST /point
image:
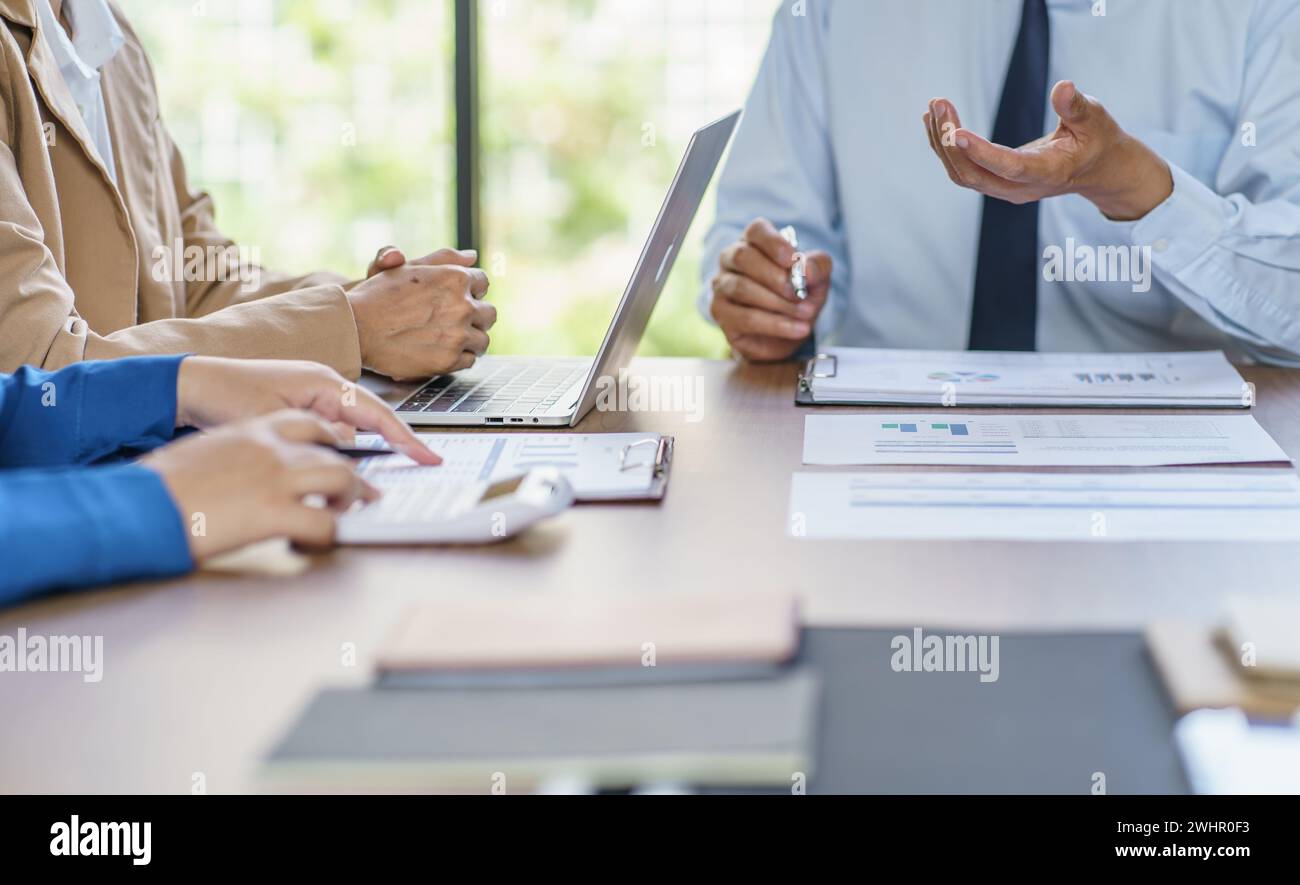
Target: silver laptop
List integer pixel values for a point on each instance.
(560, 391)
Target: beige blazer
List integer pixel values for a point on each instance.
(81, 274)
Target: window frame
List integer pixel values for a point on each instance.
(466, 109)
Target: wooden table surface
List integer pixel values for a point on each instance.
(203, 674)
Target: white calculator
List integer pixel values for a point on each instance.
(421, 505)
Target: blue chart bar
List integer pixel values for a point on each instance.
(908, 428)
(960, 430)
(491, 463)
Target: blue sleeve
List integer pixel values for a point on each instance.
(79, 527)
(87, 411)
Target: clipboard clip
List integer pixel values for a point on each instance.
(663, 453)
(823, 365)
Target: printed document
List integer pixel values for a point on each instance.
(1240, 505)
(1037, 440)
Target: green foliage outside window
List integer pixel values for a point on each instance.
(325, 129)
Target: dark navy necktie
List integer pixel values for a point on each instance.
(1005, 313)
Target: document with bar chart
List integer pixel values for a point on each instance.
(941, 439)
(601, 466)
(1249, 505)
(867, 376)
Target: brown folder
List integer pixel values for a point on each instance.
(609, 630)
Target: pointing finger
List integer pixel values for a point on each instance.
(370, 413)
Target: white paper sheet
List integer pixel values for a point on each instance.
(957, 379)
(591, 462)
(1172, 506)
(942, 439)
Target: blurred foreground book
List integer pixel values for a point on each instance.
(742, 733)
(485, 694)
(591, 639)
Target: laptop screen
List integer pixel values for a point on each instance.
(659, 255)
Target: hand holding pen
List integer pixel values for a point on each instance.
(798, 270)
(768, 293)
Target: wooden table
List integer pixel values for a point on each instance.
(203, 674)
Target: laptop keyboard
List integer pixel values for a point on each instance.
(518, 388)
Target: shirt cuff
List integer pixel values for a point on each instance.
(134, 526)
(1182, 228)
(84, 527)
(127, 404)
(348, 362)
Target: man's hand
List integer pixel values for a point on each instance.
(250, 481)
(416, 320)
(391, 257)
(1088, 154)
(212, 391)
(753, 301)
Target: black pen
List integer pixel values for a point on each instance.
(358, 454)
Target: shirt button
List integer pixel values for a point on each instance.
(1160, 245)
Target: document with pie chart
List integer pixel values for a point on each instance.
(866, 376)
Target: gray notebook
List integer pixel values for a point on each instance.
(753, 733)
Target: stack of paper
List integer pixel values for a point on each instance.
(861, 376)
(1205, 505)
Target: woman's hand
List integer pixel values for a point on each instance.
(212, 391)
(249, 481)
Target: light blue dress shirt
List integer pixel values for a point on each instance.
(96, 39)
(832, 143)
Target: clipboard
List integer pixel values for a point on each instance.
(1205, 380)
(602, 467)
(823, 365)
(663, 448)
